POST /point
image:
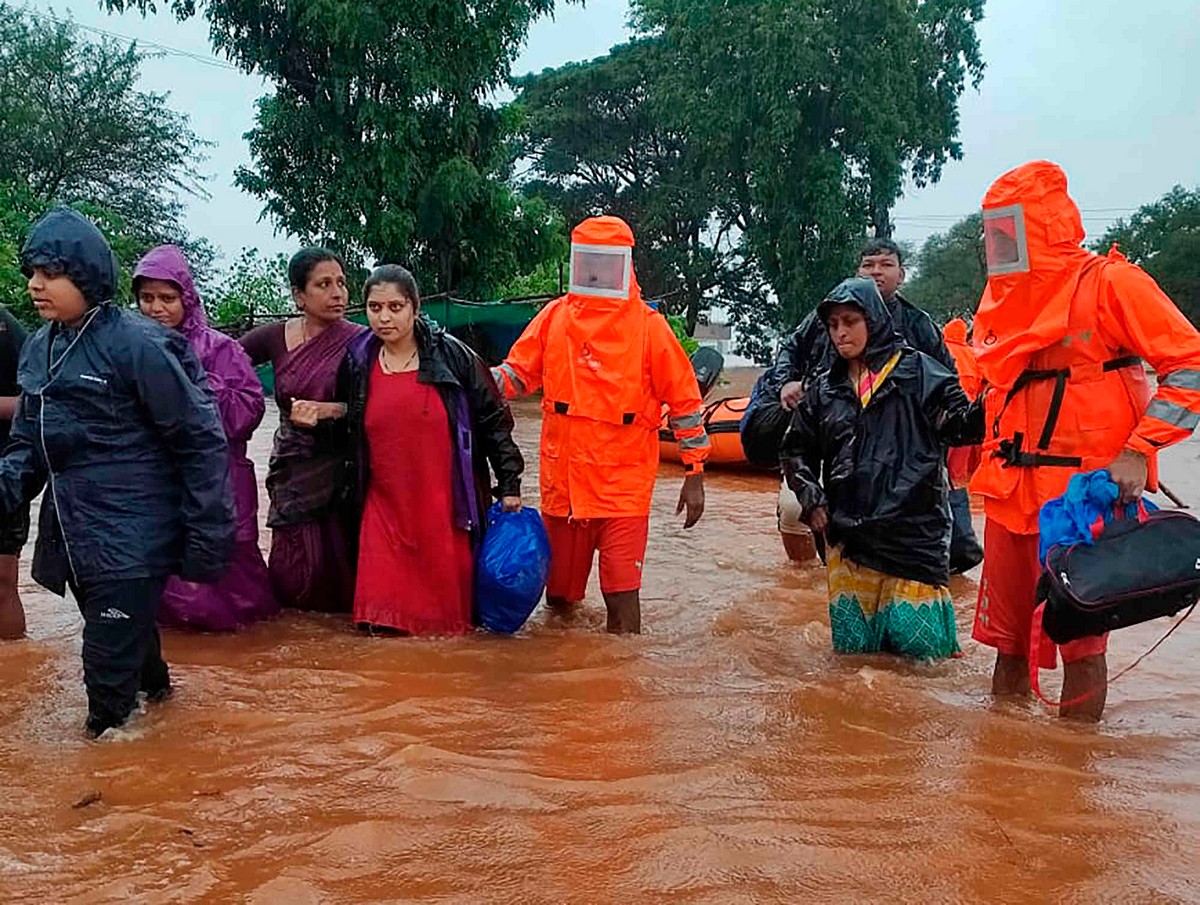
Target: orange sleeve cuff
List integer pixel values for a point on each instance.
(1138, 445)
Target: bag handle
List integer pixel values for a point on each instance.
(1121, 512)
(1036, 636)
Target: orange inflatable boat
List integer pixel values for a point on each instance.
(722, 419)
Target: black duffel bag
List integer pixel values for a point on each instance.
(1135, 571)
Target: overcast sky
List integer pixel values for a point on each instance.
(1107, 88)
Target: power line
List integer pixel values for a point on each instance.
(161, 48)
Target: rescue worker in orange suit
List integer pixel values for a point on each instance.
(1060, 338)
(961, 461)
(606, 364)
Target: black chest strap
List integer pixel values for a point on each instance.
(1011, 451)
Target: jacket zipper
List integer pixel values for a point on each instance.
(54, 492)
(52, 375)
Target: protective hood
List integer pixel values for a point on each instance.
(882, 338)
(1033, 237)
(605, 326)
(602, 264)
(64, 241)
(166, 262)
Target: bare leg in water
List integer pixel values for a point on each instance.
(1087, 676)
(12, 613)
(799, 548)
(624, 611)
(1010, 678)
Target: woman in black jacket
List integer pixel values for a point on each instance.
(864, 455)
(426, 420)
(116, 419)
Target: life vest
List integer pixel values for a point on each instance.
(1072, 409)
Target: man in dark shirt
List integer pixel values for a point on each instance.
(14, 529)
(808, 353)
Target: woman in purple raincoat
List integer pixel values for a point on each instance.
(162, 284)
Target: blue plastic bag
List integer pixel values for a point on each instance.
(511, 572)
(1068, 519)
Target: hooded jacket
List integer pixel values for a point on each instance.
(805, 355)
(1060, 338)
(606, 364)
(244, 595)
(879, 468)
(116, 415)
(480, 422)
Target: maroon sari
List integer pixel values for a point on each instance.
(310, 562)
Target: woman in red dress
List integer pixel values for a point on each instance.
(427, 420)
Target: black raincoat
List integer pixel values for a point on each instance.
(117, 416)
(880, 470)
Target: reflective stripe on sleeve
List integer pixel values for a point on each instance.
(1173, 414)
(686, 422)
(1183, 380)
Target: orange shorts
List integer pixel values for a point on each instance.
(1008, 596)
(573, 544)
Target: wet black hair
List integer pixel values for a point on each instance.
(881, 247)
(397, 276)
(303, 262)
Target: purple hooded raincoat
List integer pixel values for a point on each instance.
(244, 595)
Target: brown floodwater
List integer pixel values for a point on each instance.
(725, 756)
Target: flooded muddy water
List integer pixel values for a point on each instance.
(725, 756)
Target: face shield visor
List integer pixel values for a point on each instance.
(1005, 241)
(601, 270)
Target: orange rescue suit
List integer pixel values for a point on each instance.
(962, 460)
(606, 365)
(1060, 338)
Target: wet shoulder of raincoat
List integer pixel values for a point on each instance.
(920, 332)
(801, 356)
(127, 429)
(879, 469)
(231, 376)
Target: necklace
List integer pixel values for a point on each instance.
(384, 365)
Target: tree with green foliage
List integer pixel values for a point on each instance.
(951, 271)
(75, 130)
(379, 138)
(809, 115)
(253, 285)
(600, 142)
(1163, 238)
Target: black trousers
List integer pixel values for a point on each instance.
(965, 550)
(122, 653)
